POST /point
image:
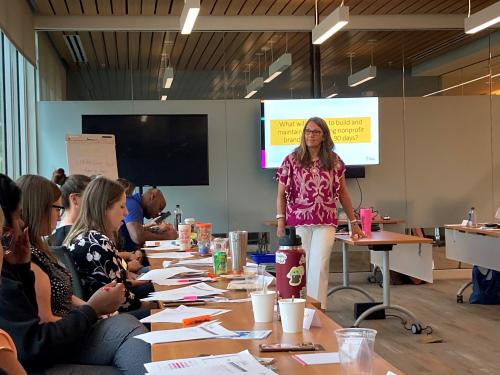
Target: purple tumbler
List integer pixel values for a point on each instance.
(366, 220)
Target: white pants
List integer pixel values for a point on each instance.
(317, 241)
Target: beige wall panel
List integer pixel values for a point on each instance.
(16, 21)
(448, 159)
(383, 188)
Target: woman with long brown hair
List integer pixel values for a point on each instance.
(41, 210)
(310, 181)
(92, 241)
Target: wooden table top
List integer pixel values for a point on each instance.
(274, 223)
(382, 237)
(486, 232)
(241, 318)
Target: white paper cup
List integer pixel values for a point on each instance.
(292, 314)
(263, 306)
(184, 240)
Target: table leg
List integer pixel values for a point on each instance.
(345, 277)
(387, 301)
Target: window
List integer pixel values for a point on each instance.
(17, 112)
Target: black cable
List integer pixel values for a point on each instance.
(426, 329)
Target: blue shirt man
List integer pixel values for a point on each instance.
(148, 205)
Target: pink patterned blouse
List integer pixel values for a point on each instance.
(311, 193)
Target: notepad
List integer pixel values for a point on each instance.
(317, 358)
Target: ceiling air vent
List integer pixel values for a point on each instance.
(75, 48)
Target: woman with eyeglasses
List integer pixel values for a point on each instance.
(42, 209)
(310, 181)
(72, 188)
(79, 342)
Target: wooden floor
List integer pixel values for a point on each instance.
(471, 333)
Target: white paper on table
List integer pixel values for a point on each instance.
(166, 244)
(211, 365)
(198, 290)
(201, 262)
(311, 319)
(182, 312)
(207, 331)
(184, 281)
(390, 373)
(317, 358)
(171, 255)
(160, 274)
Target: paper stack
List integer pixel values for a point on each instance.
(225, 364)
(191, 292)
(203, 331)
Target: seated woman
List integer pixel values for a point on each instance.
(40, 213)
(72, 188)
(92, 240)
(8, 354)
(78, 343)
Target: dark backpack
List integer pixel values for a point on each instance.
(485, 286)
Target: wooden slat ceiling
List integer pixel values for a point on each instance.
(122, 65)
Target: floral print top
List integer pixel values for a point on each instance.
(310, 193)
(98, 263)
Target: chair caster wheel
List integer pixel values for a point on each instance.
(416, 329)
(460, 299)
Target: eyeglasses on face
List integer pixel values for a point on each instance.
(60, 209)
(312, 132)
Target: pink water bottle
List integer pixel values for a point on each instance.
(366, 220)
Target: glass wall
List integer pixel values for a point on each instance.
(17, 112)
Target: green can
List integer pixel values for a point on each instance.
(220, 263)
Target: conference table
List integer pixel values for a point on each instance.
(475, 246)
(384, 242)
(241, 318)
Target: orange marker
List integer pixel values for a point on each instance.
(196, 319)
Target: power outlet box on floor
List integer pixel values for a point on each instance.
(360, 308)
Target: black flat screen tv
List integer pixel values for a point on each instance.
(157, 150)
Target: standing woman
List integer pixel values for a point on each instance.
(310, 181)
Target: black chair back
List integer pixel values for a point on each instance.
(62, 253)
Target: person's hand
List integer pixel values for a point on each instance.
(165, 227)
(107, 299)
(357, 232)
(20, 249)
(134, 265)
(280, 231)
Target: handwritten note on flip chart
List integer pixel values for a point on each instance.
(92, 154)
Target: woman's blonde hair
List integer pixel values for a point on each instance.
(98, 197)
(39, 194)
(326, 156)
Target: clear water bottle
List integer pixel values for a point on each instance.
(472, 218)
(177, 216)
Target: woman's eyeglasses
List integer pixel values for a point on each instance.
(313, 132)
(60, 209)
